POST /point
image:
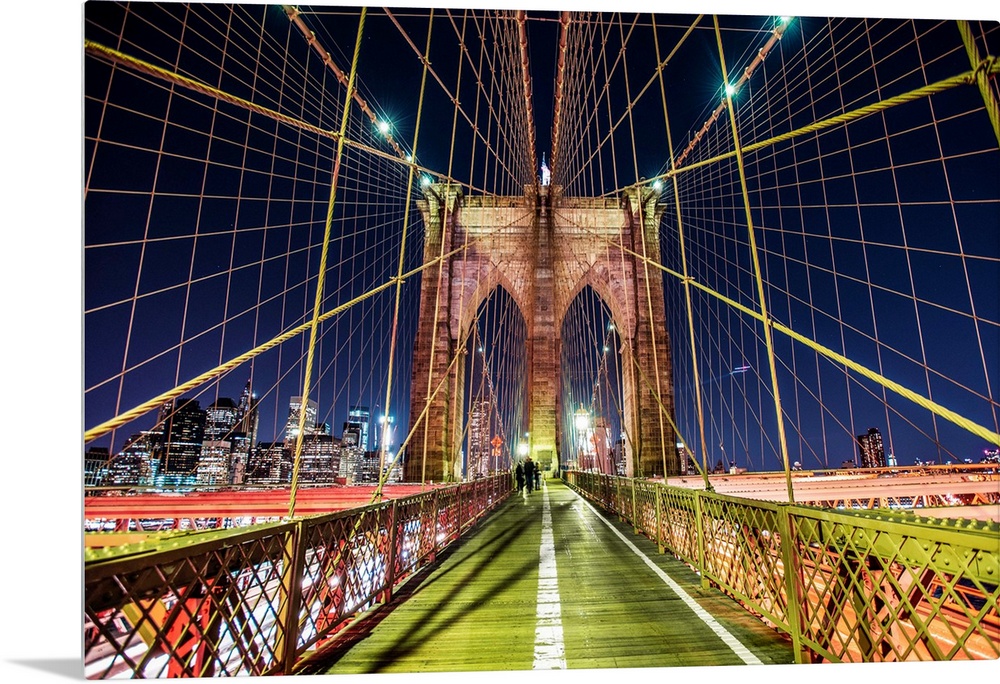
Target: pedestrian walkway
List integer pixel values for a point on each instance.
(548, 582)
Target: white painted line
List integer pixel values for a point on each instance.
(732, 642)
(550, 653)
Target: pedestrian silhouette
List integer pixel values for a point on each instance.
(519, 474)
(529, 473)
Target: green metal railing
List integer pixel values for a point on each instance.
(264, 599)
(846, 585)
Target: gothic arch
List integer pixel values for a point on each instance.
(543, 249)
(484, 288)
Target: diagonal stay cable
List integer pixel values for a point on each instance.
(218, 371)
(906, 393)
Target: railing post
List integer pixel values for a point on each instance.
(635, 513)
(459, 511)
(437, 524)
(793, 596)
(291, 596)
(659, 519)
(390, 571)
(700, 527)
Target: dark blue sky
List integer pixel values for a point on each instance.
(832, 214)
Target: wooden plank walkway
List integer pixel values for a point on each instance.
(598, 605)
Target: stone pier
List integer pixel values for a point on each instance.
(542, 248)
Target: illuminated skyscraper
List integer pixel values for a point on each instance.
(294, 409)
(183, 433)
(264, 463)
(358, 418)
(320, 458)
(479, 438)
(870, 449)
(215, 465)
(220, 420)
(246, 415)
(95, 466)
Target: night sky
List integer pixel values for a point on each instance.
(203, 222)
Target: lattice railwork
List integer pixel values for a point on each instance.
(200, 610)
(646, 514)
(678, 523)
(415, 531)
(743, 553)
(261, 600)
(846, 586)
(893, 589)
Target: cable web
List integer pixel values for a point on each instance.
(874, 225)
(824, 231)
(211, 141)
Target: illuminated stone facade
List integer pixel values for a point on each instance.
(543, 249)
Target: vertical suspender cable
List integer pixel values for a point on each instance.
(684, 269)
(402, 254)
(321, 280)
(441, 265)
(765, 317)
(641, 211)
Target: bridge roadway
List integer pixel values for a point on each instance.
(548, 582)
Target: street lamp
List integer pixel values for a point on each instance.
(581, 421)
(385, 422)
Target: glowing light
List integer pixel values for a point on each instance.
(657, 185)
(730, 89)
(611, 326)
(522, 449)
(785, 20)
(582, 420)
(409, 157)
(383, 127)
(425, 181)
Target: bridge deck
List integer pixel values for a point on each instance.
(495, 602)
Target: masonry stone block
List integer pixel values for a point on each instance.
(543, 248)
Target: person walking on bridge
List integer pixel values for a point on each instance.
(529, 473)
(519, 475)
